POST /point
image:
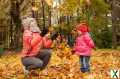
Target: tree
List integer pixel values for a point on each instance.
(115, 20)
(4, 23)
(15, 15)
(94, 11)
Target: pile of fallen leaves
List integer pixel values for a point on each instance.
(64, 65)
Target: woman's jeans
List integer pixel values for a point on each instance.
(84, 60)
(39, 61)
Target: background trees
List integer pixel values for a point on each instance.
(102, 16)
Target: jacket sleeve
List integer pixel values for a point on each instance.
(26, 44)
(47, 43)
(89, 42)
(35, 40)
(27, 37)
(76, 47)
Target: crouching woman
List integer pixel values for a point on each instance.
(36, 50)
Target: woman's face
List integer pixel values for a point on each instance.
(26, 28)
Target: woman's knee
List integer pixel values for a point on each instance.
(47, 52)
(38, 64)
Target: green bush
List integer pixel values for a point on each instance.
(103, 38)
(1, 51)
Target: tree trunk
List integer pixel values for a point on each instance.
(114, 25)
(15, 15)
(11, 34)
(43, 7)
(49, 18)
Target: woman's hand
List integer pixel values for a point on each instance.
(47, 35)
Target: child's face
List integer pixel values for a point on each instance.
(79, 32)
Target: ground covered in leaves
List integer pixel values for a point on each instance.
(64, 65)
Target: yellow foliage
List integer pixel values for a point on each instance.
(49, 2)
(64, 65)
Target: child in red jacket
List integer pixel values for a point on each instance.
(83, 46)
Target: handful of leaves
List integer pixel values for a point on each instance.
(54, 35)
(44, 32)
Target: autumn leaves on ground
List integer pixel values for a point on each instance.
(63, 65)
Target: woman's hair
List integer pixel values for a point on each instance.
(44, 32)
(25, 23)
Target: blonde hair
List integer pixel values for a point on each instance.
(31, 24)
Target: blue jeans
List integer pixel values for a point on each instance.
(39, 61)
(85, 66)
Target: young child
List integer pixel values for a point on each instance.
(83, 46)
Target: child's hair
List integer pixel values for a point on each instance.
(83, 27)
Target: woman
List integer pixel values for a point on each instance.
(36, 50)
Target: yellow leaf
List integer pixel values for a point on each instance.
(49, 2)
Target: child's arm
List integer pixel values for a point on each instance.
(88, 40)
(74, 48)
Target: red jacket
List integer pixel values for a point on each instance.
(47, 43)
(84, 45)
(33, 42)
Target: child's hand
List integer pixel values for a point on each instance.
(95, 48)
(72, 51)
